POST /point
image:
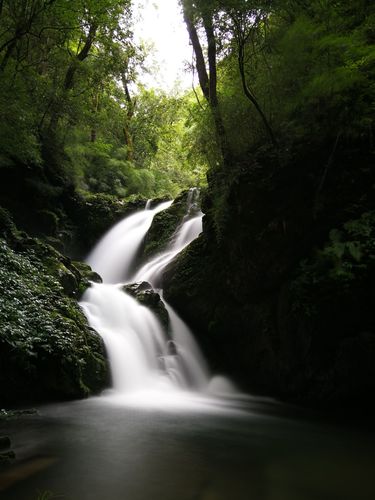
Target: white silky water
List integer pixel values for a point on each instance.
(143, 358)
(114, 255)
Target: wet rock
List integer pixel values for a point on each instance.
(172, 348)
(164, 225)
(86, 276)
(8, 454)
(277, 293)
(68, 281)
(87, 272)
(145, 295)
(134, 289)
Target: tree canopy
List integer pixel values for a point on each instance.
(272, 74)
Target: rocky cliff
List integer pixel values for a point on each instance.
(280, 287)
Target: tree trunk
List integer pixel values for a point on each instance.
(56, 112)
(207, 79)
(129, 115)
(8, 53)
(213, 98)
(200, 62)
(80, 57)
(248, 93)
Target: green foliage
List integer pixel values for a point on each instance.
(345, 261)
(65, 102)
(329, 89)
(309, 65)
(163, 159)
(164, 136)
(18, 135)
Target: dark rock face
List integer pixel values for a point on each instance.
(279, 300)
(146, 296)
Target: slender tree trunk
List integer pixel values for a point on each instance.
(213, 98)
(8, 53)
(248, 93)
(200, 62)
(207, 79)
(129, 115)
(80, 57)
(56, 112)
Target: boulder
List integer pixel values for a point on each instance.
(164, 225)
(146, 295)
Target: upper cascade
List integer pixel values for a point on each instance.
(189, 229)
(113, 257)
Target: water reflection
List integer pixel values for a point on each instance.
(197, 448)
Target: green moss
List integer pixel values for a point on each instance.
(164, 225)
(47, 349)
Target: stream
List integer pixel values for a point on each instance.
(193, 448)
(168, 428)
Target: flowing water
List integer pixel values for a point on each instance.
(115, 253)
(138, 347)
(162, 432)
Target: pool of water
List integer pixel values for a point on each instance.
(152, 447)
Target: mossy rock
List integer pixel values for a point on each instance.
(145, 295)
(86, 272)
(164, 226)
(92, 216)
(47, 349)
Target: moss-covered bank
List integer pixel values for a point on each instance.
(47, 349)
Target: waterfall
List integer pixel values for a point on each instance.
(115, 253)
(186, 232)
(152, 271)
(143, 357)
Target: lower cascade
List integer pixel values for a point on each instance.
(144, 355)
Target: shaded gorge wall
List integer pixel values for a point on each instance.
(280, 287)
